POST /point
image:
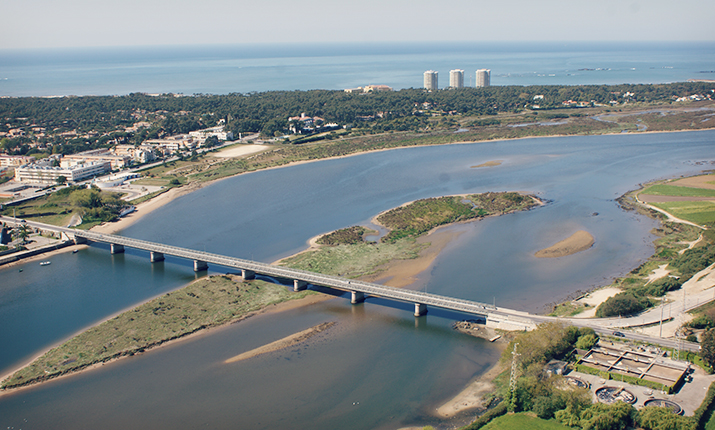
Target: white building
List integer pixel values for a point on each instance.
(218, 131)
(456, 78)
(98, 155)
(483, 77)
(47, 174)
(431, 80)
(15, 160)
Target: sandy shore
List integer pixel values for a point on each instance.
(473, 395)
(145, 208)
(577, 242)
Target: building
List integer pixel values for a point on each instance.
(456, 78)
(217, 131)
(15, 160)
(483, 77)
(431, 80)
(47, 174)
(369, 89)
(98, 155)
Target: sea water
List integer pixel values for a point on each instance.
(223, 69)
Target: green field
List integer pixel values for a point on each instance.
(521, 421)
(698, 212)
(672, 190)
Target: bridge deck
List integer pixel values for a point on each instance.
(296, 274)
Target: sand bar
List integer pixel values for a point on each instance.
(286, 342)
(577, 242)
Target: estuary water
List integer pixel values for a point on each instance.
(226, 69)
(379, 367)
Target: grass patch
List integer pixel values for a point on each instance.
(568, 309)
(523, 420)
(353, 261)
(698, 212)
(672, 190)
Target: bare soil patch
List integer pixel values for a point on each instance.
(704, 181)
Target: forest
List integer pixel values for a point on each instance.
(71, 124)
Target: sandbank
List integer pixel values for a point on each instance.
(240, 150)
(577, 242)
(489, 164)
(286, 342)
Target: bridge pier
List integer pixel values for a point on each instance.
(79, 240)
(357, 297)
(156, 256)
(420, 309)
(116, 249)
(299, 285)
(248, 274)
(200, 265)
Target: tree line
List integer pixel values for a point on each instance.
(107, 117)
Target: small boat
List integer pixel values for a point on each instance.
(45, 263)
(21, 270)
(74, 251)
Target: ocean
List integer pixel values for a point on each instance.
(224, 69)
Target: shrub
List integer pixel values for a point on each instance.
(625, 303)
(586, 342)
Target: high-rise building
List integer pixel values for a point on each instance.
(456, 78)
(483, 77)
(431, 80)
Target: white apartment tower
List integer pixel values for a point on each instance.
(431, 80)
(483, 77)
(456, 78)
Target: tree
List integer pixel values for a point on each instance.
(23, 233)
(601, 416)
(61, 180)
(658, 418)
(707, 345)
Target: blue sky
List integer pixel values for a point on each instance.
(70, 23)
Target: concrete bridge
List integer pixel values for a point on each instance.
(301, 278)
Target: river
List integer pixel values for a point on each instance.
(379, 367)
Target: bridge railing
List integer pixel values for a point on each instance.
(298, 274)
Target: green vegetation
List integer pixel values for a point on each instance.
(353, 261)
(672, 190)
(349, 255)
(700, 213)
(205, 303)
(522, 421)
(92, 204)
(556, 403)
(638, 294)
(345, 236)
(419, 217)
